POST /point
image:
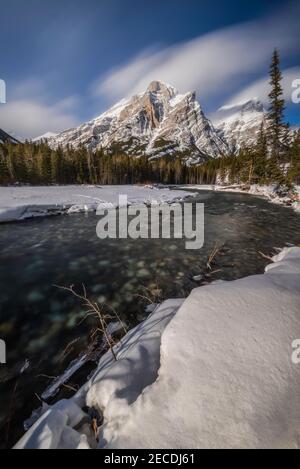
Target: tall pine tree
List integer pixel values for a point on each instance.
(260, 157)
(276, 125)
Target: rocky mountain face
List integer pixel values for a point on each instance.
(161, 122)
(157, 123)
(239, 125)
(4, 138)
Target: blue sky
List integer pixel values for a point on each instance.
(66, 61)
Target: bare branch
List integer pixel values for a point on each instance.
(265, 256)
(94, 310)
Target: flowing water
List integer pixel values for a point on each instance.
(38, 321)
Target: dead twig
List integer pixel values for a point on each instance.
(265, 256)
(95, 429)
(69, 387)
(217, 248)
(93, 309)
(68, 349)
(213, 272)
(151, 295)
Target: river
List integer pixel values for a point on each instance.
(38, 321)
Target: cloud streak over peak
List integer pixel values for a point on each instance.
(215, 65)
(79, 61)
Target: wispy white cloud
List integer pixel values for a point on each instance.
(113, 84)
(215, 64)
(31, 111)
(29, 119)
(221, 64)
(260, 88)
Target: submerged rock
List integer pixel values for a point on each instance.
(35, 296)
(143, 273)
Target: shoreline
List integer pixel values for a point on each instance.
(271, 193)
(45, 201)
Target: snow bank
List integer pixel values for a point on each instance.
(291, 199)
(214, 371)
(119, 383)
(20, 203)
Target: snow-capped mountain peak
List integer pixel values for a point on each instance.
(253, 104)
(157, 122)
(45, 136)
(6, 138)
(161, 87)
(239, 124)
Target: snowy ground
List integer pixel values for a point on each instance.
(19, 203)
(213, 371)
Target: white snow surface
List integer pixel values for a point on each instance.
(20, 203)
(229, 107)
(45, 136)
(213, 371)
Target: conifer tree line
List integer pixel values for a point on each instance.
(38, 164)
(274, 158)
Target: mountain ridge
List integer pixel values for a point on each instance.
(239, 124)
(162, 122)
(158, 122)
(5, 137)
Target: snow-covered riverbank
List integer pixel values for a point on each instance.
(20, 203)
(289, 198)
(23, 202)
(213, 371)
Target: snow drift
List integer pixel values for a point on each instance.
(213, 371)
(23, 202)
